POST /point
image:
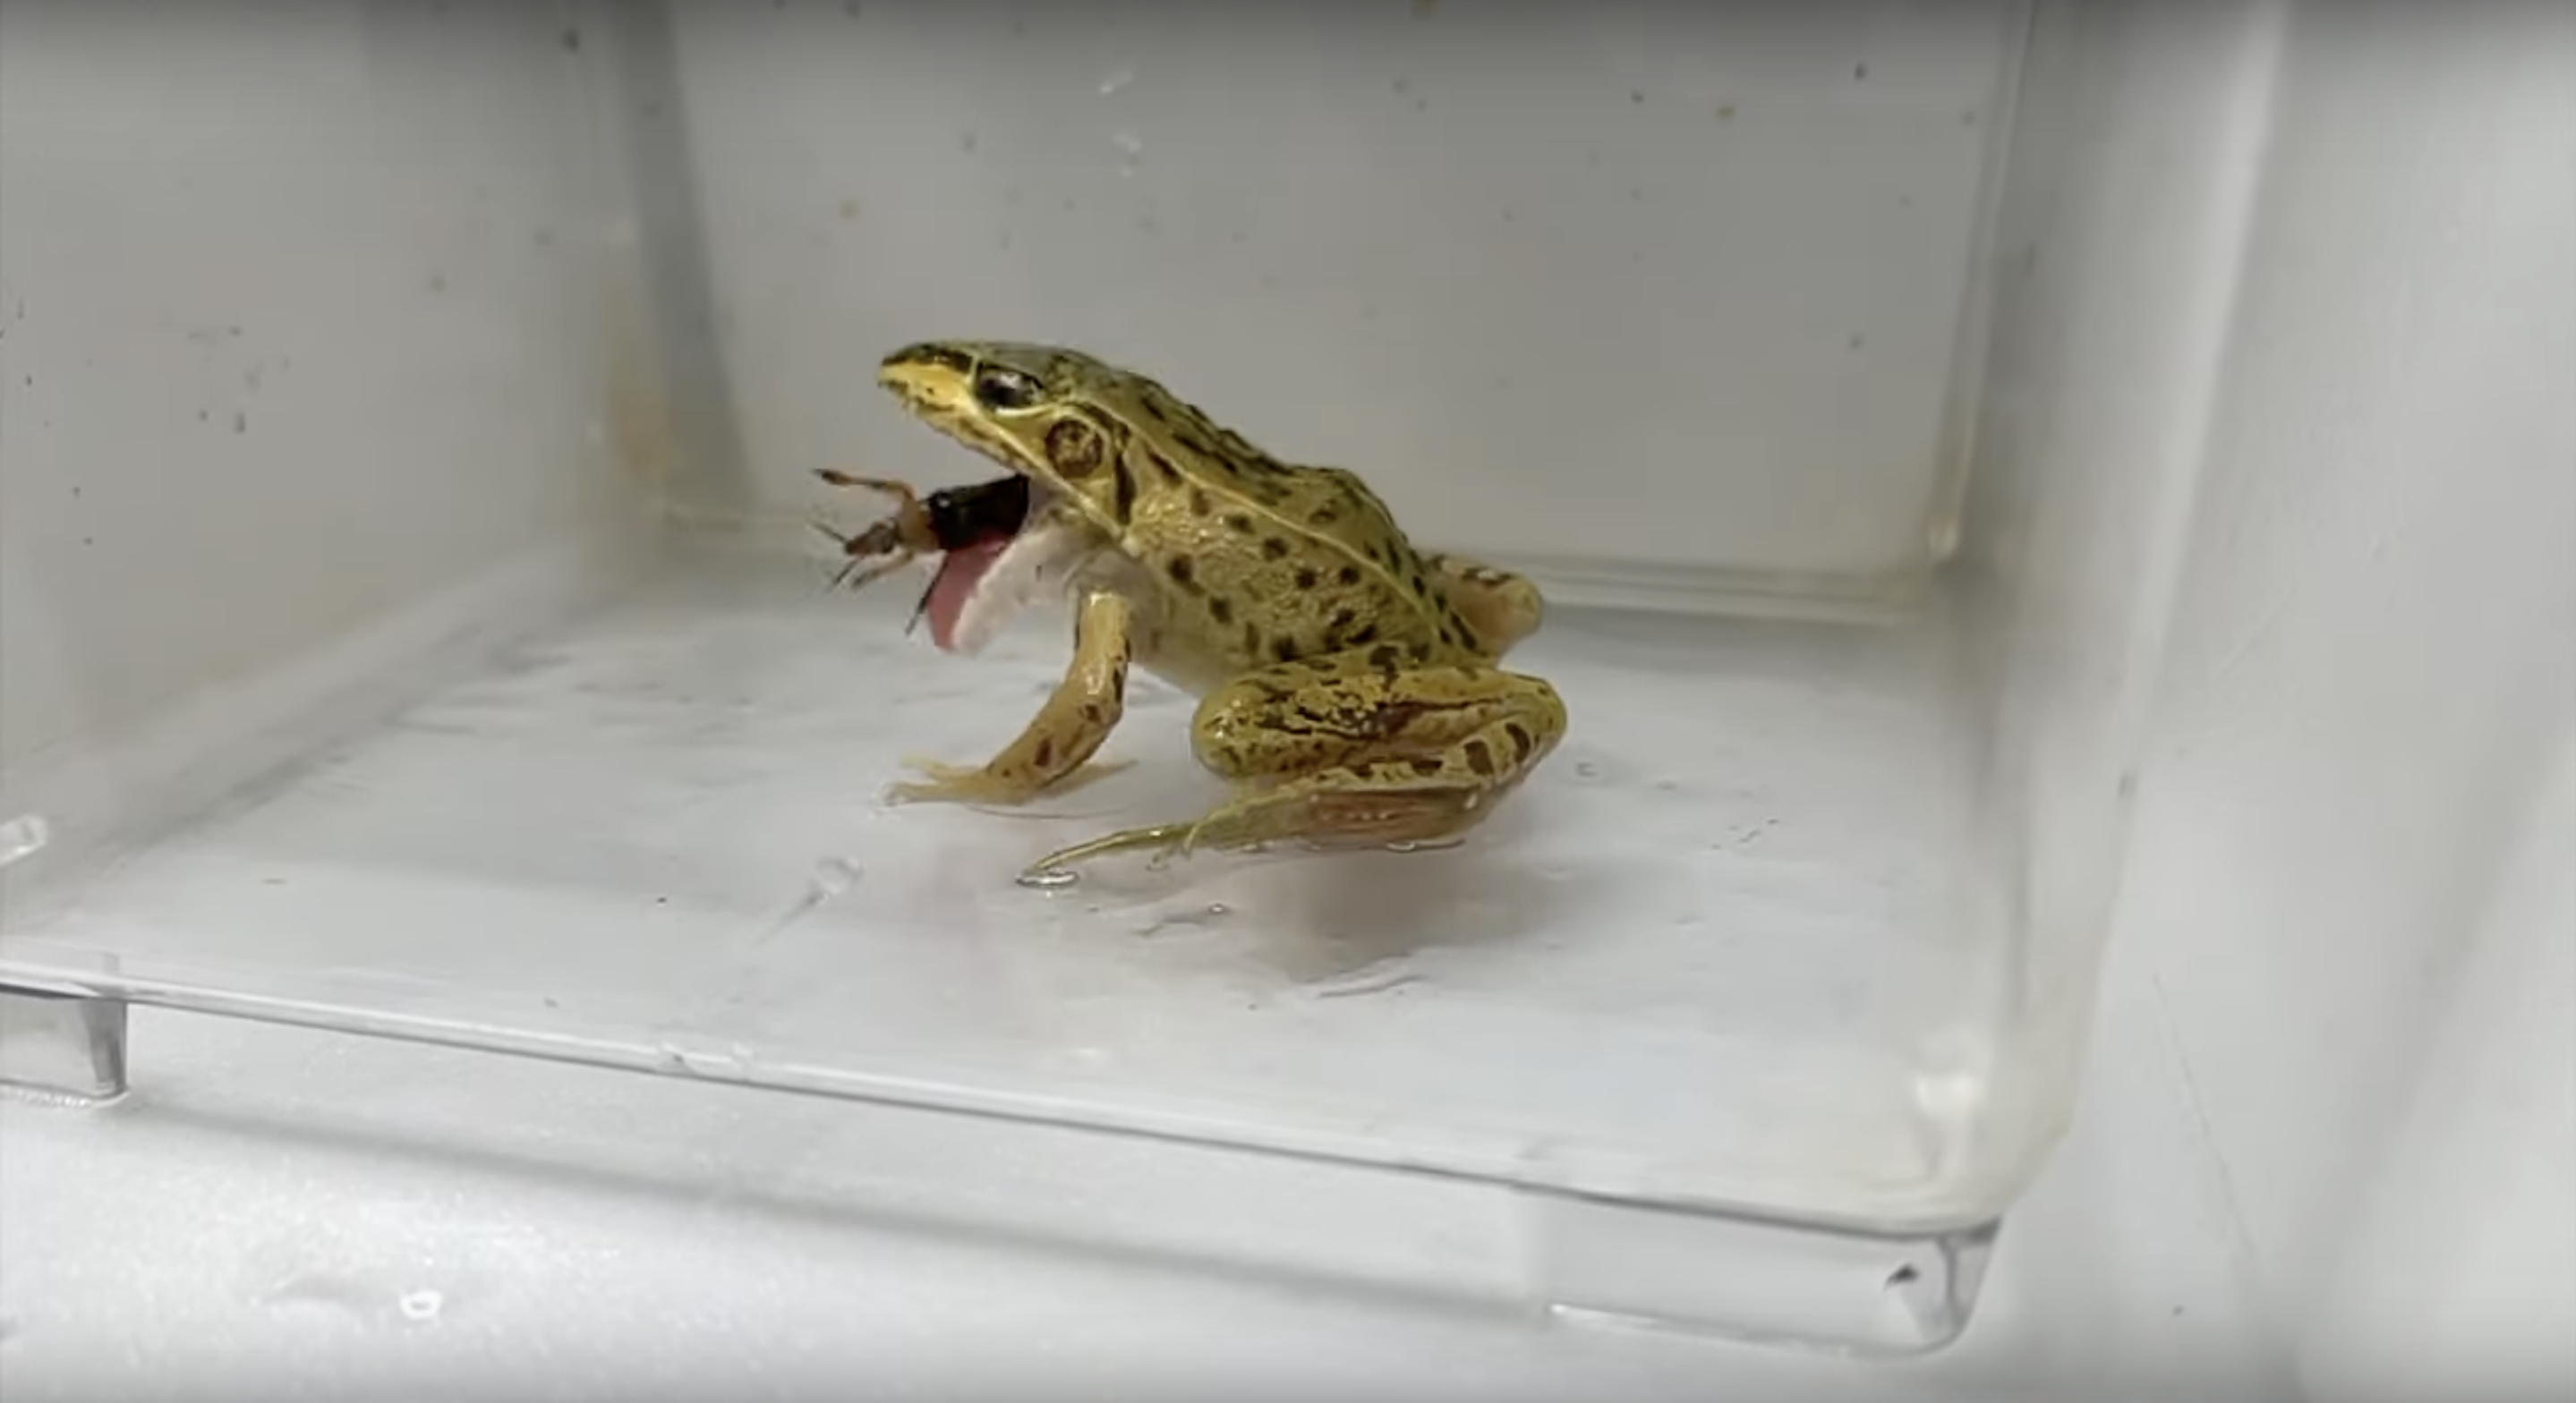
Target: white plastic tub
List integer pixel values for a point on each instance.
(413, 622)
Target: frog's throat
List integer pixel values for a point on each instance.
(1040, 563)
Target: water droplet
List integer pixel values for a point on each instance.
(1117, 80)
(1128, 143)
(423, 1306)
(1049, 879)
(834, 875)
(1377, 978)
(23, 837)
(1201, 919)
(1437, 846)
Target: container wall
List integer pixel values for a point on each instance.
(1640, 295)
(2135, 161)
(2449, 1278)
(313, 329)
(2368, 664)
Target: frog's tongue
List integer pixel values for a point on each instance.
(953, 588)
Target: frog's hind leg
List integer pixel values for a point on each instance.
(1348, 751)
(1501, 608)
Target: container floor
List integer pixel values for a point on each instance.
(1710, 948)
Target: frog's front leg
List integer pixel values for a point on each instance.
(1050, 754)
(1354, 750)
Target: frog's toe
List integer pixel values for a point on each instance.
(982, 784)
(957, 784)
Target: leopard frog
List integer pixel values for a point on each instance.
(1349, 683)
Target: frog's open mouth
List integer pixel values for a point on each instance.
(1001, 549)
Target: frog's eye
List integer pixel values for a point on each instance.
(999, 387)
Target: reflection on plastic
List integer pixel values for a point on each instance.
(23, 837)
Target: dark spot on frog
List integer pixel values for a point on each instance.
(1522, 742)
(1273, 548)
(1237, 521)
(1367, 634)
(1091, 712)
(1306, 577)
(1251, 639)
(1348, 574)
(1480, 757)
(1324, 515)
(1163, 469)
(1385, 655)
(1044, 755)
(1425, 765)
(1184, 572)
(1199, 501)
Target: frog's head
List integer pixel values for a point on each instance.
(1041, 411)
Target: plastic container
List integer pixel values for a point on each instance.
(415, 625)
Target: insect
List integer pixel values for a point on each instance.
(950, 519)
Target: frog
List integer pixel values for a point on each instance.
(1349, 685)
